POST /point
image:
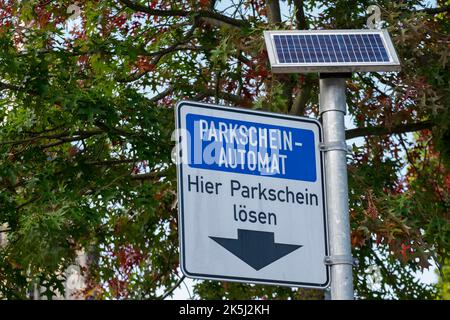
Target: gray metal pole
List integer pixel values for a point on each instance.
(332, 109)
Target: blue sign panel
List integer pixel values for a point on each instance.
(250, 148)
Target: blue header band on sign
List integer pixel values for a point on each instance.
(250, 148)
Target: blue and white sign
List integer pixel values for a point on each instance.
(251, 196)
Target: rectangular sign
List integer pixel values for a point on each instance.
(251, 196)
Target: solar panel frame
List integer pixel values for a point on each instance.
(393, 63)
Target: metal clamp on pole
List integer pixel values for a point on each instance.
(331, 109)
(334, 145)
(340, 259)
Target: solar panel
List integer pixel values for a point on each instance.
(331, 51)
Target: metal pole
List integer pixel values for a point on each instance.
(332, 109)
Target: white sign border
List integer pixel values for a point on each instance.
(181, 234)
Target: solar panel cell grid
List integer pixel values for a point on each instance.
(330, 48)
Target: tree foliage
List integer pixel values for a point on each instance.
(86, 116)
(444, 282)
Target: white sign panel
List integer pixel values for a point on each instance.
(251, 196)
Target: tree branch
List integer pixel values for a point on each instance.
(111, 162)
(302, 98)
(274, 15)
(274, 11)
(237, 100)
(217, 23)
(162, 95)
(381, 130)
(181, 13)
(300, 16)
(9, 86)
(435, 10)
(35, 198)
(62, 136)
(115, 130)
(63, 140)
(169, 292)
(161, 53)
(149, 175)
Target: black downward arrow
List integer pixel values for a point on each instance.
(256, 248)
